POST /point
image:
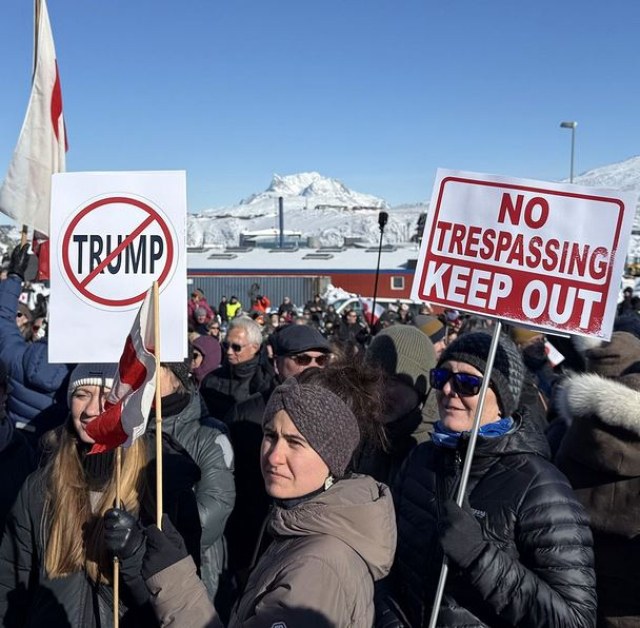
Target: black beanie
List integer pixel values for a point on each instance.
(507, 374)
(181, 371)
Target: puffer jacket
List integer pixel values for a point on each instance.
(600, 454)
(198, 497)
(28, 598)
(326, 553)
(37, 401)
(536, 569)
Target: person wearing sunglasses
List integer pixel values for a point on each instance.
(245, 369)
(206, 356)
(296, 348)
(519, 550)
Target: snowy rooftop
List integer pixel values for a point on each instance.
(303, 260)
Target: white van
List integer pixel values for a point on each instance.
(355, 303)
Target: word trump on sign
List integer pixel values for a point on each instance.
(113, 234)
(118, 236)
(546, 255)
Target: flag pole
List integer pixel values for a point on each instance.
(36, 32)
(156, 332)
(468, 460)
(116, 562)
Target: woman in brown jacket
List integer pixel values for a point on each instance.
(332, 533)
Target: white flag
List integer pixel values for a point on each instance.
(25, 194)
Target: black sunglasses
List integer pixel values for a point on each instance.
(463, 384)
(236, 348)
(303, 359)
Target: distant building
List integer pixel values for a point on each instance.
(299, 273)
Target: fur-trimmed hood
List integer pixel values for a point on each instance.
(600, 453)
(612, 402)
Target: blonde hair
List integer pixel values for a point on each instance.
(75, 539)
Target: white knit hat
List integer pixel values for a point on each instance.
(91, 375)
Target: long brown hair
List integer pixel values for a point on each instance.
(75, 529)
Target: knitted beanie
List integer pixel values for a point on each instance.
(91, 375)
(181, 371)
(522, 335)
(404, 352)
(610, 359)
(508, 370)
(325, 421)
(430, 325)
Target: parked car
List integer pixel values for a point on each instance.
(355, 303)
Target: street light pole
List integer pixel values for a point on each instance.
(571, 125)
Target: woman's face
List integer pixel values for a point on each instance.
(87, 403)
(196, 358)
(456, 412)
(290, 467)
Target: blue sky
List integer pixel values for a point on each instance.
(376, 93)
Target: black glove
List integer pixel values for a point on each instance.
(164, 548)
(389, 615)
(122, 533)
(460, 534)
(19, 261)
(123, 538)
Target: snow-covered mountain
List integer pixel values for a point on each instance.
(624, 175)
(318, 207)
(327, 211)
(312, 186)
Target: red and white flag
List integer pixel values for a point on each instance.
(25, 194)
(367, 306)
(130, 400)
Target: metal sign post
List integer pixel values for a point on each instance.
(466, 469)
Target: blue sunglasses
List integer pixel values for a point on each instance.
(463, 384)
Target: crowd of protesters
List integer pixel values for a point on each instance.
(311, 463)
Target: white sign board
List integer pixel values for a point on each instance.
(112, 235)
(545, 255)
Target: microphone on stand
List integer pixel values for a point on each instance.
(383, 217)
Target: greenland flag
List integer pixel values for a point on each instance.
(25, 194)
(126, 410)
(367, 305)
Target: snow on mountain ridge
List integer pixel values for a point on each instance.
(330, 223)
(623, 175)
(316, 190)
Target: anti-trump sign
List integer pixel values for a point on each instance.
(112, 235)
(545, 255)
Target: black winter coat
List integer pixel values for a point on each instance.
(228, 385)
(252, 502)
(536, 569)
(17, 461)
(28, 598)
